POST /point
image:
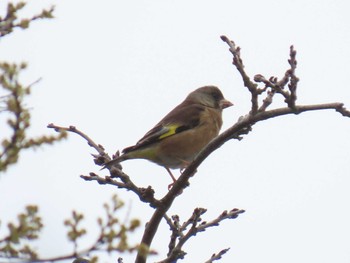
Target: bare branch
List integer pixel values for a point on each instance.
(243, 126)
(145, 194)
(274, 86)
(234, 213)
(238, 62)
(267, 101)
(217, 256)
(342, 110)
(195, 225)
(175, 231)
(245, 122)
(98, 147)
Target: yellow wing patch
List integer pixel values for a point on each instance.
(171, 131)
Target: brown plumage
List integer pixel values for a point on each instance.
(177, 139)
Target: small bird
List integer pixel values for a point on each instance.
(178, 138)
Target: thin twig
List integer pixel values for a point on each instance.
(217, 256)
(195, 221)
(175, 231)
(98, 147)
(234, 213)
(145, 194)
(182, 181)
(273, 86)
(243, 126)
(238, 62)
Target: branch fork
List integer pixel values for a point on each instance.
(285, 86)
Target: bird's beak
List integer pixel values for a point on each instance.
(225, 104)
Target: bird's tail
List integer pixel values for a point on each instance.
(115, 161)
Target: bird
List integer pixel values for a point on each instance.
(175, 141)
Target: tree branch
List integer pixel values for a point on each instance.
(238, 62)
(11, 21)
(235, 131)
(243, 126)
(217, 256)
(145, 194)
(196, 225)
(98, 147)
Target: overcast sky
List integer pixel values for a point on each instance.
(115, 68)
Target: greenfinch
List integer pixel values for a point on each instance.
(178, 138)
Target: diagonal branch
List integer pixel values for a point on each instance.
(217, 256)
(98, 147)
(243, 126)
(145, 194)
(227, 135)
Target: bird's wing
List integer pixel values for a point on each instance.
(182, 118)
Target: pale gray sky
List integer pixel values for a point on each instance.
(114, 68)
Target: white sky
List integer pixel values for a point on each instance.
(114, 68)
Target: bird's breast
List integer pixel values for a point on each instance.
(179, 150)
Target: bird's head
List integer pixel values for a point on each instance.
(209, 96)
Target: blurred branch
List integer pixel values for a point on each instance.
(10, 21)
(18, 120)
(17, 245)
(12, 103)
(113, 236)
(29, 225)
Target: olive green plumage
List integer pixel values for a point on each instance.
(177, 139)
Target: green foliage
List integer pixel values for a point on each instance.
(113, 235)
(18, 116)
(11, 21)
(113, 232)
(15, 244)
(74, 233)
(14, 93)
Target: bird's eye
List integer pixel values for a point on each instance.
(216, 95)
